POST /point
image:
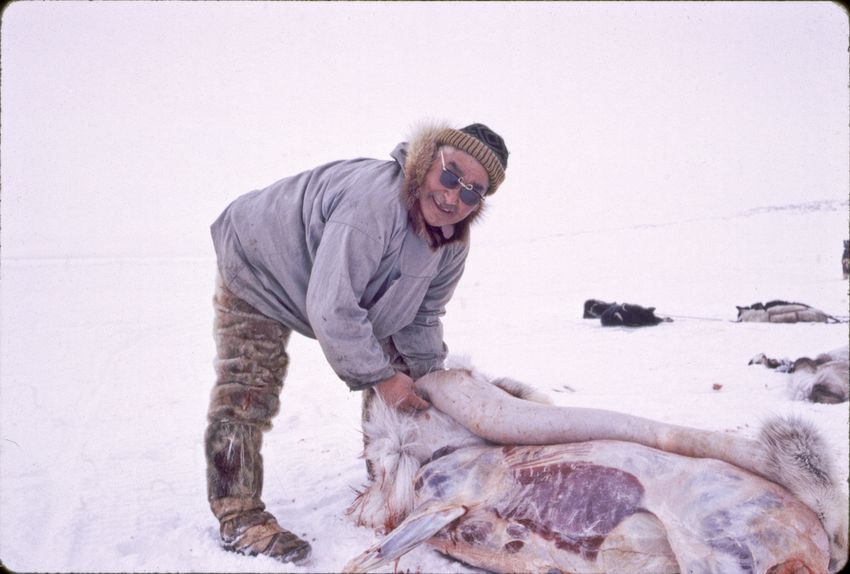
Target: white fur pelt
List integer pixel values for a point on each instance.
(399, 444)
(826, 379)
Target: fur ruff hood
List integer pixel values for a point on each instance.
(421, 153)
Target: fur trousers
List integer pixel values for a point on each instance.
(250, 368)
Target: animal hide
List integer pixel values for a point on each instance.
(602, 506)
(824, 379)
(788, 453)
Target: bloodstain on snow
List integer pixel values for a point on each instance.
(573, 504)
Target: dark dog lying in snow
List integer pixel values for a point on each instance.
(824, 379)
(593, 308)
(626, 314)
(778, 311)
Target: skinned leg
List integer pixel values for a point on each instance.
(250, 367)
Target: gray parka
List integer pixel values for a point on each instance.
(341, 254)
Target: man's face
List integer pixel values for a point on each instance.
(442, 206)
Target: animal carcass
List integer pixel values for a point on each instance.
(593, 491)
(824, 379)
(602, 506)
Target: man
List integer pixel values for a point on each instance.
(362, 255)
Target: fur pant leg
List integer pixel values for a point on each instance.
(250, 367)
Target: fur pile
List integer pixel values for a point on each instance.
(824, 379)
(397, 446)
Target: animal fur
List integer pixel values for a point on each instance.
(821, 383)
(593, 308)
(798, 458)
(630, 315)
(824, 379)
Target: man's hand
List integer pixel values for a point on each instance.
(397, 391)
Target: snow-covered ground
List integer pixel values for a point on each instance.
(106, 370)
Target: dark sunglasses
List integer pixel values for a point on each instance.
(449, 179)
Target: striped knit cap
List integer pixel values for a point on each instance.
(483, 144)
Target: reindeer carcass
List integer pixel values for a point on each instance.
(824, 379)
(596, 493)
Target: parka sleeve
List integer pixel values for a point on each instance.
(345, 260)
(421, 343)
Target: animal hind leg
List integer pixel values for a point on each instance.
(419, 526)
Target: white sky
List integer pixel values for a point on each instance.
(127, 127)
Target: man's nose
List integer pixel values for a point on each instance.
(452, 195)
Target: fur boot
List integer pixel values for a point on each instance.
(250, 368)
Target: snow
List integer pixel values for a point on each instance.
(107, 369)
(691, 157)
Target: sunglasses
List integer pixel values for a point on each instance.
(449, 179)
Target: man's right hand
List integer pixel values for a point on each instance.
(399, 393)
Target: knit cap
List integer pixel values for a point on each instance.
(484, 145)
